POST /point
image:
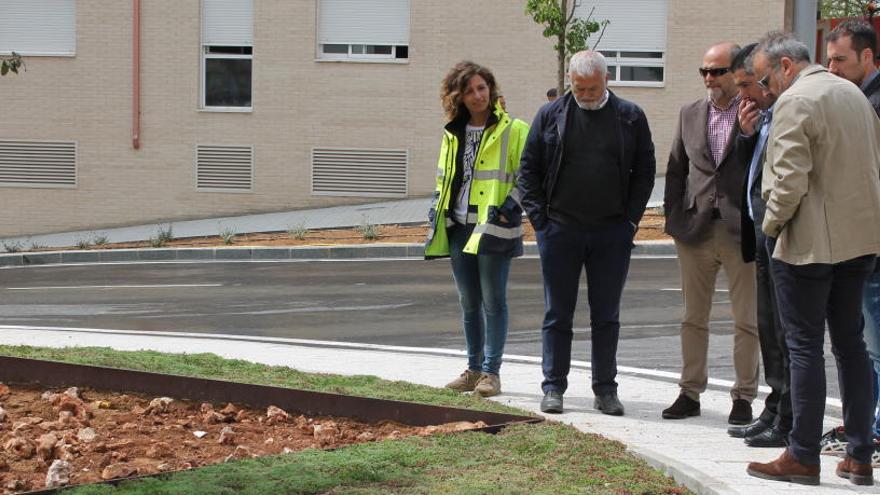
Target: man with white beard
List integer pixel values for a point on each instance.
(704, 177)
(586, 175)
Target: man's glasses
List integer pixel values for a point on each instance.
(764, 82)
(716, 72)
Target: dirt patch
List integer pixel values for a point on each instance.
(60, 438)
(650, 229)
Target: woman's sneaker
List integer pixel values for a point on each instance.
(833, 442)
(465, 382)
(488, 385)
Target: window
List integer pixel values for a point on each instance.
(227, 55)
(38, 27)
(355, 30)
(634, 45)
(635, 68)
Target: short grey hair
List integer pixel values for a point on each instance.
(777, 44)
(587, 63)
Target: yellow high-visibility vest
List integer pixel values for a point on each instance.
(495, 170)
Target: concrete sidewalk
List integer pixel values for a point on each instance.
(697, 452)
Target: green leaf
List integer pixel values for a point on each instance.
(4, 68)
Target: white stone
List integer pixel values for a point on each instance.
(58, 475)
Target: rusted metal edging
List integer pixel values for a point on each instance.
(15, 370)
(53, 374)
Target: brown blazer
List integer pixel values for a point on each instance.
(821, 175)
(693, 183)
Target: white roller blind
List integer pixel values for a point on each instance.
(378, 22)
(636, 25)
(228, 22)
(38, 27)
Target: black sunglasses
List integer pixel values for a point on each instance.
(716, 72)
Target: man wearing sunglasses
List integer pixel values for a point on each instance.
(704, 179)
(821, 182)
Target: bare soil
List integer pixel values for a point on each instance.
(88, 436)
(650, 229)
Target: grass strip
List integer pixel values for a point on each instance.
(549, 458)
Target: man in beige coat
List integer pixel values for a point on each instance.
(821, 182)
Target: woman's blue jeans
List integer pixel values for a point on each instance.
(482, 292)
(871, 311)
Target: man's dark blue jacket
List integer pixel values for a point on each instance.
(542, 156)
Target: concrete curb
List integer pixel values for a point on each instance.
(259, 253)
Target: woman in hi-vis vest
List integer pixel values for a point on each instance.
(476, 219)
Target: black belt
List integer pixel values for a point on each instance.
(716, 214)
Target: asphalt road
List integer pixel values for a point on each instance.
(393, 302)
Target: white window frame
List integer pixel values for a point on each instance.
(618, 61)
(204, 56)
(361, 57)
(233, 34)
(350, 55)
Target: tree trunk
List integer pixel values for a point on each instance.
(560, 53)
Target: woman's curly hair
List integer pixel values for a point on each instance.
(454, 85)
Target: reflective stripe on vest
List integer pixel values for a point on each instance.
(500, 174)
(498, 231)
(470, 219)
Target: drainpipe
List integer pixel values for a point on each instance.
(136, 75)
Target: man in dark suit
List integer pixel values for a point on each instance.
(771, 428)
(586, 175)
(852, 49)
(702, 203)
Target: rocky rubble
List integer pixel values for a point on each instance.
(58, 438)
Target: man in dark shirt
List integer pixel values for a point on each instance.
(852, 49)
(586, 174)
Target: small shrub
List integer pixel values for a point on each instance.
(35, 246)
(299, 232)
(368, 230)
(12, 246)
(162, 237)
(165, 233)
(228, 235)
(83, 243)
(100, 240)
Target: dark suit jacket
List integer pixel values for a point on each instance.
(745, 148)
(693, 182)
(542, 158)
(873, 94)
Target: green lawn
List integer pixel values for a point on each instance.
(546, 458)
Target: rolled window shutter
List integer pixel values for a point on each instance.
(228, 22)
(378, 22)
(38, 27)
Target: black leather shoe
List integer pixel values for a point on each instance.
(683, 407)
(609, 404)
(552, 403)
(754, 428)
(740, 413)
(771, 437)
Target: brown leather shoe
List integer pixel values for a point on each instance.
(857, 474)
(786, 468)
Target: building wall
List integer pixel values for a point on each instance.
(298, 103)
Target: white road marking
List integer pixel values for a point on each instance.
(154, 286)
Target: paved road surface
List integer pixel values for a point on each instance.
(396, 302)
